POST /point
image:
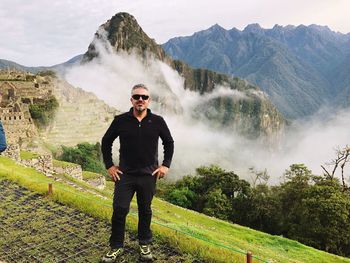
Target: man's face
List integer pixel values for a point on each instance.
(140, 104)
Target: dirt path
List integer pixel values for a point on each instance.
(35, 229)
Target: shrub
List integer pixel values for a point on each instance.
(43, 112)
(87, 155)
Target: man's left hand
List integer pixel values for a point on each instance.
(161, 171)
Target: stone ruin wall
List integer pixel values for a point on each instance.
(18, 127)
(99, 182)
(74, 171)
(13, 152)
(19, 90)
(44, 164)
(32, 90)
(14, 74)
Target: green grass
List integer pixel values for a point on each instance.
(205, 237)
(57, 163)
(26, 155)
(85, 185)
(90, 175)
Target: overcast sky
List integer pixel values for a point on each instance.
(43, 32)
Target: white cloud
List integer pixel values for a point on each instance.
(50, 32)
(111, 77)
(42, 32)
(198, 143)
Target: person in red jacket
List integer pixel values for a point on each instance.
(138, 131)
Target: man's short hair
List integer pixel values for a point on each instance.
(139, 86)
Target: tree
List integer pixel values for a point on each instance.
(259, 176)
(218, 205)
(181, 196)
(213, 177)
(87, 155)
(291, 193)
(342, 157)
(211, 191)
(314, 210)
(43, 112)
(261, 210)
(298, 173)
(326, 221)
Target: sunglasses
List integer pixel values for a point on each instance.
(138, 96)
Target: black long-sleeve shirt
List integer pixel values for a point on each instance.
(138, 152)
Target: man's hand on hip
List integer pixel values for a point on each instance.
(161, 171)
(114, 172)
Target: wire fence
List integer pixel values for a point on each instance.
(71, 252)
(35, 229)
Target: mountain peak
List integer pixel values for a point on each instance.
(320, 28)
(216, 27)
(123, 16)
(123, 32)
(278, 27)
(253, 28)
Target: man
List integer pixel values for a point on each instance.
(138, 131)
(3, 144)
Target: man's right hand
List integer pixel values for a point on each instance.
(114, 172)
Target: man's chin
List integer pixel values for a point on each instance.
(140, 109)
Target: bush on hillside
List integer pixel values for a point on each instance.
(87, 155)
(42, 113)
(49, 73)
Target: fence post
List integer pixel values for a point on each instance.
(249, 257)
(50, 189)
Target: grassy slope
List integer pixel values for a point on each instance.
(180, 227)
(25, 155)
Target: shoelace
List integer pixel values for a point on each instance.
(114, 252)
(145, 249)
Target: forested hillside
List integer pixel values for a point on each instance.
(313, 209)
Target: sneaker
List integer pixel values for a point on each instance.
(113, 255)
(145, 253)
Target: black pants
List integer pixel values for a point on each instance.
(144, 185)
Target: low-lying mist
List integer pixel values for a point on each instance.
(111, 77)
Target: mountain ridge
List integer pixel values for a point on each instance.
(303, 59)
(59, 68)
